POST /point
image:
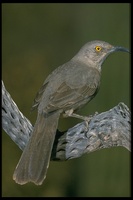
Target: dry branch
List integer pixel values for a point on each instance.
(105, 130)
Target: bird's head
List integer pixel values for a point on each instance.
(95, 52)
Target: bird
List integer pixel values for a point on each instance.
(68, 88)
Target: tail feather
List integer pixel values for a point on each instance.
(33, 164)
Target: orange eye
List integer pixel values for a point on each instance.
(98, 48)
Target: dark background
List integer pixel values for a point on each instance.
(37, 38)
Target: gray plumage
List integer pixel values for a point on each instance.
(67, 88)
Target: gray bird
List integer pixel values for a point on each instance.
(64, 91)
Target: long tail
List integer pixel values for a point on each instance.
(34, 162)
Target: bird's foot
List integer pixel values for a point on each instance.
(87, 120)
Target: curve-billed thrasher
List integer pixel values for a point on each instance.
(65, 90)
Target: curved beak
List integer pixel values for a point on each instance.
(113, 49)
(118, 48)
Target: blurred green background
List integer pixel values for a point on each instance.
(37, 38)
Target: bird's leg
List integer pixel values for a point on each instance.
(70, 113)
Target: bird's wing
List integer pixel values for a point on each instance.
(66, 97)
(67, 93)
(39, 96)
